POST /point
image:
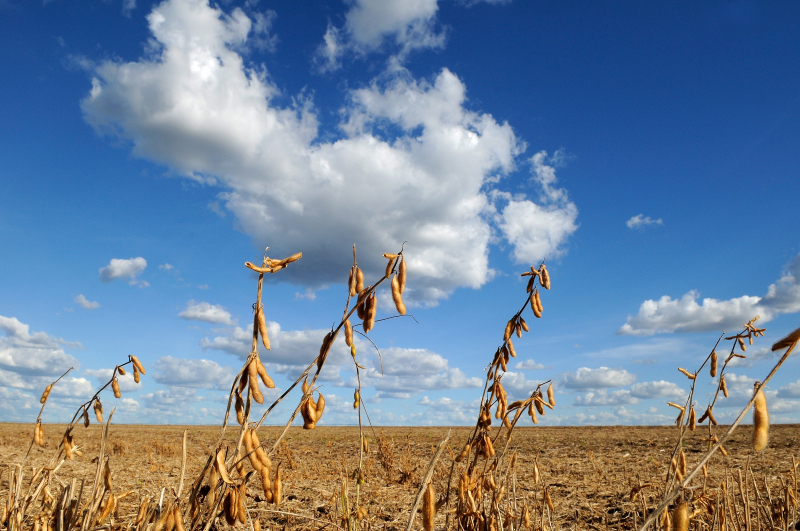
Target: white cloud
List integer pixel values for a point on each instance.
(197, 373)
(369, 24)
(640, 221)
(538, 230)
(126, 382)
(121, 268)
(659, 389)
(197, 109)
(35, 354)
(86, 304)
(791, 390)
(128, 6)
(166, 267)
(203, 311)
(686, 315)
(603, 397)
(529, 365)
(600, 378)
(409, 371)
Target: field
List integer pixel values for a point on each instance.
(589, 471)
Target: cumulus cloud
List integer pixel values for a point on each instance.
(409, 371)
(369, 24)
(603, 397)
(195, 107)
(600, 378)
(791, 390)
(197, 373)
(86, 304)
(37, 354)
(204, 311)
(687, 315)
(640, 221)
(122, 268)
(659, 389)
(537, 230)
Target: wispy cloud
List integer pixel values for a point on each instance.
(204, 311)
(86, 304)
(124, 268)
(640, 221)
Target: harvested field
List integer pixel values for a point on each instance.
(589, 471)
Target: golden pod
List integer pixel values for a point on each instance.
(351, 282)
(523, 324)
(692, 419)
(723, 385)
(115, 388)
(136, 375)
(389, 268)
(398, 299)
(359, 280)
(511, 350)
(45, 394)
(428, 508)
(535, 309)
(348, 333)
(260, 452)
(239, 406)
(539, 406)
(98, 411)
(544, 276)
(507, 332)
(529, 287)
(551, 399)
(355, 399)
(265, 485)
(262, 328)
(262, 373)
(401, 275)
(276, 487)
(713, 363)
(138, 364)
(680, 517)
(121, 371)
(538, 301)
(252, 377)
(760, 420)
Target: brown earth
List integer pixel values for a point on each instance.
(589, 470)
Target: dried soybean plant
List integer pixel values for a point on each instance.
(487, 494)
(716, 507)
(63, 510)
(224, 480)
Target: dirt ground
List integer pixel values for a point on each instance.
(589, 470)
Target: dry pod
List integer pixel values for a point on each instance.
(45, 394)
(178, 515)
(85, 417)
(262, 327)
(351, 282)
(538, 301)
(121, 371)
(428, 508)
(507, 332)
(544, 276)
(535, 309)
(550, 396)
(397, 297)
(276, 487)
(98, 411)
(511, 350)
(241, 508)
(692, 419)
(219, 465)
(136, 377)
(401, 275)
(252, 376)
(713, 363)
(359, 280)
(138, 364)
(38, 434)
(686, 373)
(260, 452)
(348, 333)
(549, 500)
(723, 385)
(255, 462)
(371, 306)
(760, 419)
(262, 373)
(230, 506)
(239, 405)
(265, 485)
(355, 399)
(680, 517)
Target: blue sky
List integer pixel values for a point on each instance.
(147, 150)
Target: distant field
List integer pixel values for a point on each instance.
(589, 470)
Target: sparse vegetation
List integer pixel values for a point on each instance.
(484, 478)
